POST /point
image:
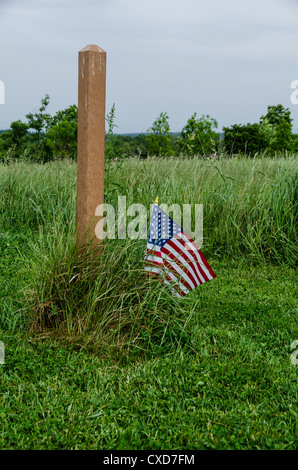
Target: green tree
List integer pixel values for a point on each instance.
(284, 138)
(276, 114)
(247, 138)
(159, 140)
(295, 143)
(280, 120)
(15, 138)
(141, 145)
(267, 133)
(199, 136)
(38, 123)
(272, 133)
(61, 133)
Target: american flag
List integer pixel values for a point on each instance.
(174, 256)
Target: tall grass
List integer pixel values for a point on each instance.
(106, 301)
(250, 206)
(250, 212)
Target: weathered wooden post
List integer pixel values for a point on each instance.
(91, 141)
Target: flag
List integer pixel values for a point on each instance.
(172, 254)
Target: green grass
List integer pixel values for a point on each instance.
(98, 357)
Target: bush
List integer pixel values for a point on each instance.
(198, 136)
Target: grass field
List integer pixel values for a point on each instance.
(100, 357)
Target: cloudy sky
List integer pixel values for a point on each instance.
(229, 59)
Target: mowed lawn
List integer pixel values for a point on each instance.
(213, 370)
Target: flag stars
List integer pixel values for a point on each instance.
(190, 274)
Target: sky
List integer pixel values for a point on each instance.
(229, 59)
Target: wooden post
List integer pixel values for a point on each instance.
(91, 140)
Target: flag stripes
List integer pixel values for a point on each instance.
(174, 257)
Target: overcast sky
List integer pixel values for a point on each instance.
(226, 58)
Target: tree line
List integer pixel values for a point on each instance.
(44, 137)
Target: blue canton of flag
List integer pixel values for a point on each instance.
(174, 256)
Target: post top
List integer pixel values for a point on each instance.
(92, 48)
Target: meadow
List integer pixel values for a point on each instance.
(97, 356)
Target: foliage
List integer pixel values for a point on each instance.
(159, 138)
(280, 119)
(15, 138)
(132, 146)
(38, 122)
(112, 149)
(267, 133)
(44, 137)
(198, 136)
(245, 139)
(277, 114)
(273, 133)
(61, 133)
(284, 138)
(295, 143)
